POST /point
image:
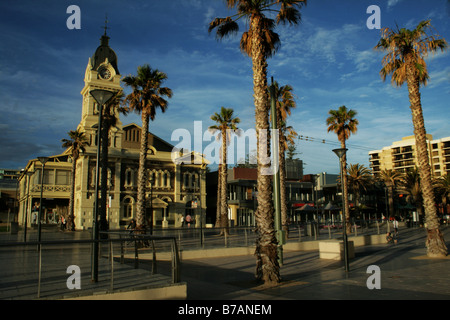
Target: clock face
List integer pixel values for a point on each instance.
(104, 73)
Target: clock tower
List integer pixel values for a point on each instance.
(101, 73)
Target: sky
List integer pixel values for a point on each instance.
(328, 59)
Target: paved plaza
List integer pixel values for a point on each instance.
(405, 274)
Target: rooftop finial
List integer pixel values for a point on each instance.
(106, 23)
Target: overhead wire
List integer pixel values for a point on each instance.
(333, 143)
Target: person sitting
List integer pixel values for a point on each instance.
(389, 238)
(132, 225)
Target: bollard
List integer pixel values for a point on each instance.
(136, 256)
(112, 264)
(153, 258)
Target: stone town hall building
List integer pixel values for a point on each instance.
(178, 184)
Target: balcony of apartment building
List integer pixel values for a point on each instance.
(374, 163)
(402, 158)
(402, 150)
(446, 146)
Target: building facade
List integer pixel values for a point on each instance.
(178, 179)
(401, 156)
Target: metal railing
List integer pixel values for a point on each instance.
(210, 238)
(23, 255)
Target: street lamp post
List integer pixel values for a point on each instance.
(276, 176)
(101, 97)
(42, 160)
(340, 153)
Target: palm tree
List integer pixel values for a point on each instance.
(260, 42)
(343, 123)
(284, 102)
(390, 178)
(226, 123)
(359, 178)
(410, 185)
(406, 50)
(146, 98)
(291, 148)
(76, 143)
(443, 188)
(110, 117)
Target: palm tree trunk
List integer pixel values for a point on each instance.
(267, 266)
(223, 189)
(345, 204)
(283, 200)
(219, 187)
(435, 241)
(71, 218)
(142, 176)
(391, 200)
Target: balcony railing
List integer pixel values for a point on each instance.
(51, 188)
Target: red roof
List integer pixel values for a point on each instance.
(245, 173)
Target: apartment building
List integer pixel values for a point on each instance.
(401, 156)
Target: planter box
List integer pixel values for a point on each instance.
(334, 249)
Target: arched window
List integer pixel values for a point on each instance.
(128, 207)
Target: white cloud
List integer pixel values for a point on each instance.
(392, 3)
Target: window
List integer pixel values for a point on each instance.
(62, 177)
(49, 176)
(128, 207)
(129, 177)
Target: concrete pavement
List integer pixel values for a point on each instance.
(405, 273)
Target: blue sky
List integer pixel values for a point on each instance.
(328, 59)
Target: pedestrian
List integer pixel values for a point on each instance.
(395, 225)
(182, 221)
(132, 225)
(188, 220)
(63, 223)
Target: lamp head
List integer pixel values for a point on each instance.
(340, 152)
(101, 96)
(43, 160)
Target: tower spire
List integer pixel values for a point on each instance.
(106, 23)
(104, 39)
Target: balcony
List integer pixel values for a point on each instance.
(403, 164)
(402, 150)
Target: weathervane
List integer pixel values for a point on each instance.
(106, 23)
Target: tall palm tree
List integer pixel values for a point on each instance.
(110, 118)
(260, 42)
(390, 178)
(76, 143)
(148, 95)
(406, 50)
(226, 124)
(359, 178)
(284, 102)
(343, 123)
